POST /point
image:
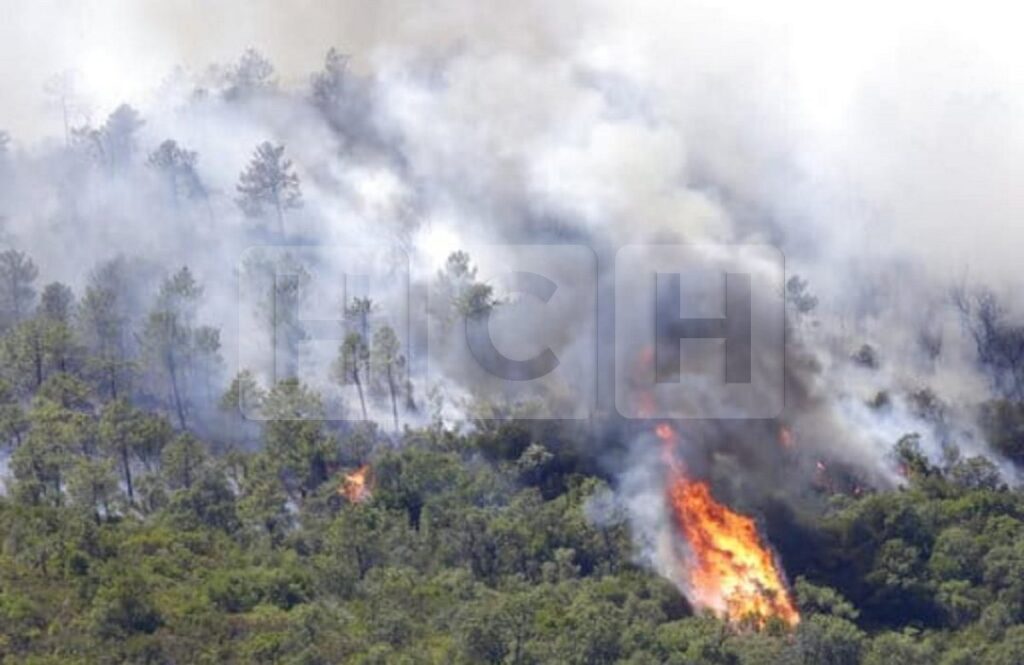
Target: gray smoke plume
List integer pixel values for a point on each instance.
(877, 149)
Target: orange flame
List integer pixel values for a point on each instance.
(786, 439)
(732, 571)
(356, 486)
(665, 432)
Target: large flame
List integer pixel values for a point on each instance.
(356, 485)
(730, 571)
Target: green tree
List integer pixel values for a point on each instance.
(956, 554)
(829, 639)
(129, 435)
(278, 287)
(904, 648)
(184, 459)
(269, 181)
(348, 368)
(35, 348)
(41, 463)
(119, 135)
(243, 399)
(125, 605)
(92, 484)
(17, 294)
(208, 503)
(253, 74)
(206, 351)
(263, 501)
(177, 167)
(295, 437)
(388, 363)
(458, 294)
(13, 421)
(975, 472)
(168, 336)
(103, 318)
(56, 310)
(328, 85)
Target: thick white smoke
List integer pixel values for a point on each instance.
(877, 147)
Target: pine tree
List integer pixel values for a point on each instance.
(353, 356)
(17, 295)
(388, 364)
(119, 135)
(177, 166)
(168, 334)
(269, 181)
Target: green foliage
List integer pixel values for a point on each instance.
(13, 421)
(17, 293)
(127, 536)
(269, 182)
(829, 639)
(244, 397)
(295, 438)
(453, 560)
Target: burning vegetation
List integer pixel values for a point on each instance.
(153, 469)
(730, 570)
(357, 485)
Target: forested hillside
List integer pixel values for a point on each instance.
(128, 535)
(237, 424)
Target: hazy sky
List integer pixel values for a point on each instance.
(912, 109)
(123, 48)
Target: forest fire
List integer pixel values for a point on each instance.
(732, 571)
(357, 486)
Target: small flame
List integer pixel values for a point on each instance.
(732, 571)
(786, 439)
(356, 485)
(665, 432)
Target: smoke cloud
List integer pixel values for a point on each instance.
(877, 147)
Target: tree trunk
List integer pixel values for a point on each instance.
(359, 388)
(394, 401)
(39, 367)
(112, 376)
(317, 471)
(126, 464)
(176, 393)
(188, 471)
(280, 216)
(59, 496)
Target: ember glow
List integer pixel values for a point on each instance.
(731, 570)
(786, 438)
(356, 486)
